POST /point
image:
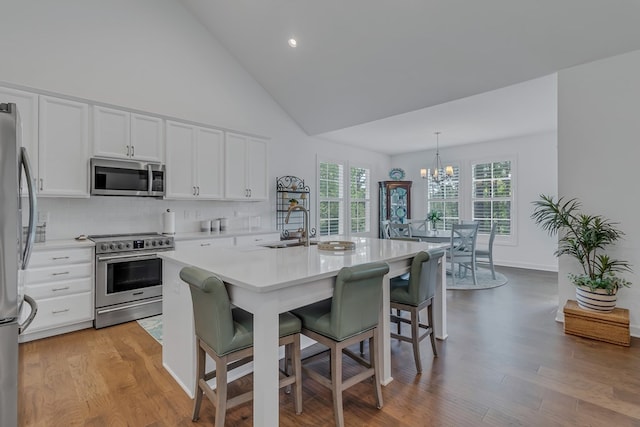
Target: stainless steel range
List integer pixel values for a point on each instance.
(128, 276)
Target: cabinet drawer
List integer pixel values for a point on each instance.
(257, 239)
(61, 273)
(204, 243)
(61, 311)
(56, 289)
(60, 256)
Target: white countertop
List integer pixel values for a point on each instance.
(261, 269)
(63, 244)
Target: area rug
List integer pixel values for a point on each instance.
(483, 277)
(153, 325)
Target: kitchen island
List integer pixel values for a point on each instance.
(266, 282)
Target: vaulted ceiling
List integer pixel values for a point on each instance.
(361, 65)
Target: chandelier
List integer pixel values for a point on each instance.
(439, 175)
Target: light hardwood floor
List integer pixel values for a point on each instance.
(506, 362)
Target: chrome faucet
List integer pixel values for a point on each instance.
(305, 230)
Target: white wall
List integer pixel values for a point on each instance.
(535, 169)
(598, 152)
(151, 55)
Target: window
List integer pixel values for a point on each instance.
(333, 199)
(360, 200)
(444, 199)
(492, 196)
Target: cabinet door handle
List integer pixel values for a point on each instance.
(59, 311)
(133, 151)
(194, 190)
(205, 244)
(60, 274)
(128, 151)
(41, 184)
(198, 190)
(60, 289)
(249, 192)
(55, 258)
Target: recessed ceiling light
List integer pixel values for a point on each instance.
(292, 42)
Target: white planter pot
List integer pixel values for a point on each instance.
(597, 300)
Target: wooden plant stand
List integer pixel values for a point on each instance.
(608, 327)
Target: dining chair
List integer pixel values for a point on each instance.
(418, 227)
(384, 226)
(350, 316)
(226, 335)
(463, 250)
(485, 255)
(397, 229)
(413, 295)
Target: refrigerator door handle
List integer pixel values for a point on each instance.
(31, 234)
(34, 309)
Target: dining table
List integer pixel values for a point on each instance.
(267, 281)
(438, 236)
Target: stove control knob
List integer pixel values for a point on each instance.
(160, 242)
(167, 242)
(153, 243)
(120, 246)
(104, 247)
(112, 246)
(128, 245)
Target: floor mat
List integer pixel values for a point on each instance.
(153, 325)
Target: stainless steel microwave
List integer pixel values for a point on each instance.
(127, 178)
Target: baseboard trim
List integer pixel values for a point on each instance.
(541, 267)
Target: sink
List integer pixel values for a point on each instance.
(286, 244)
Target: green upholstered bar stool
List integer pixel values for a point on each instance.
(226, 334)
(413, 295)
(350, 316)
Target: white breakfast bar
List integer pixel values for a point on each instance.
(267, 282)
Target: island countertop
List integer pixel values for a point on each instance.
(267, 281)
(263, 269)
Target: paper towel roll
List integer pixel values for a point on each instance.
(169, 222)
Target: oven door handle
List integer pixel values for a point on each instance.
(129, 257)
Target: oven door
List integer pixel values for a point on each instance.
(127, 277)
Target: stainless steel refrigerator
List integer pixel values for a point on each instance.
(14, 256)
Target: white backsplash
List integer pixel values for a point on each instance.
(68, 218)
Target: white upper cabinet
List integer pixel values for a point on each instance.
(194, 162)
(246, 167)
(209, 168)
(63, 150)
(124, 135)
(147, 138)
(28, 109)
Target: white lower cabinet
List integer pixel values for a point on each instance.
(60, 280)
(62, 311)
(204, 243)
(257, 239)
(244, 240)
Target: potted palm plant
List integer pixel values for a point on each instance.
(585, 237)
